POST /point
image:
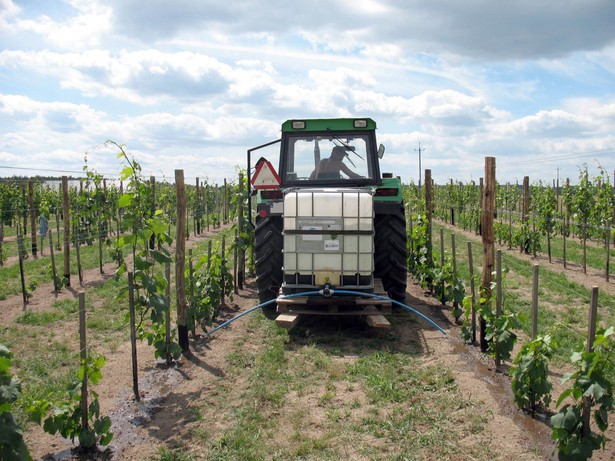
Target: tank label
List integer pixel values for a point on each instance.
(314, 237)
(332, 245)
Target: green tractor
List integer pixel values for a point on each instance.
(327, 220)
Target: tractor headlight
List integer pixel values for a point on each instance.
(298, 124)
(360, 123)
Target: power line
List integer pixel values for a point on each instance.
(609, 150)
(106, 175)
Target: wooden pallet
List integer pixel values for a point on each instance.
(373, 310)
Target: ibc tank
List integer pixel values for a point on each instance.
(328, 237)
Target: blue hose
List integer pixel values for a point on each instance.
(371, 295)
(266, 303)
(310, 293)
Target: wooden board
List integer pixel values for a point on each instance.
(287, 320)
(375, 319)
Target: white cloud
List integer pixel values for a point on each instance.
(550, 124)
(90, 22)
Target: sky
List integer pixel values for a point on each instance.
(192, 85)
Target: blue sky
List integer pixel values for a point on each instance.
(193, 84)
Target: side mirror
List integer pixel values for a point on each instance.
(380, 151)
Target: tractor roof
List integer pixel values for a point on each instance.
(325, 124)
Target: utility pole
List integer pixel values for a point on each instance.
(419, 150)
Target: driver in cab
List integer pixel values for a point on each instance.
(334, 165)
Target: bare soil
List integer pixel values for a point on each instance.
(169, 394)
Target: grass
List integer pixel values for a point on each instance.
(39, 270)
(62, 310)
(305, 399)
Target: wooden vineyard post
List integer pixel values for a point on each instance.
(488, 202)
(133, 336)
(84, 357)
(452, 205)
(410, 229)
(21, 270)
(533, 234)
(225, 204)
(235, 262)
(152, 181)
(66, 219)
(118, 217)
(78, 254)
(191, 286)
(32, 218)
(53, 263)
(222, 280)
(591, 336)
(102, 228)
(584, 238)
(443, 286)
(241, 269)
(454, 256)
(525, 208)
(207, 206)
(608, 253)
(180, 255)
(167, 316)
(197, 215)
(428, 211)
(187, 217)
(535, 301)
(498, 301)
(472, 292)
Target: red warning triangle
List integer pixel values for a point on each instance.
(265, 176)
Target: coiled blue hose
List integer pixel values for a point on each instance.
(329, 293)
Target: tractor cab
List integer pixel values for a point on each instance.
(339, 153)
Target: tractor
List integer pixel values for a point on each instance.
(327, 220)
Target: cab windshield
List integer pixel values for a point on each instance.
(328, 158)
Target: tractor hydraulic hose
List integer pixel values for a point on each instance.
(330, 292)
(371, 295)
(260, 306)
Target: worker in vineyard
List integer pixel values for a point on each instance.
(334, 165)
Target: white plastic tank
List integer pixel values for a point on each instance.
(328, 233)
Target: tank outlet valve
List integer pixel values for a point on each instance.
(327, 291)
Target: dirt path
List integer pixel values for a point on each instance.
(171, 397)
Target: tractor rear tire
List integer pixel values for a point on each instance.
(268, 257)
(391, 255)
